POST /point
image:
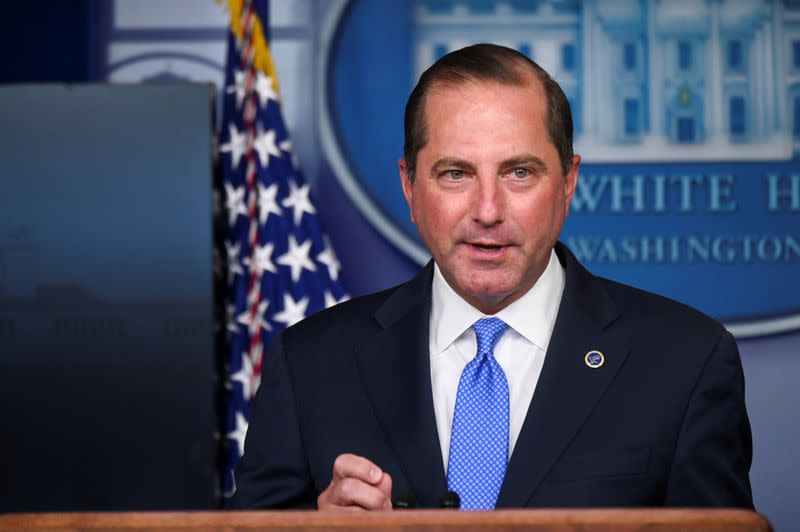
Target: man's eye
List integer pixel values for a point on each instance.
(455, 174)
(520, 173)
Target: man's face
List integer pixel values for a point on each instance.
(489, 198)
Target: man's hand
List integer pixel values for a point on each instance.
(357, 485)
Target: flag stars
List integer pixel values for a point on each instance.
(293, 311)
(234, 267)
(328, 258)
(228, 494)
(256, 355)
(244, 318)
(239, 432)
(296, 258)
(299, 201)
(262, 259)
(238, 87)
(236, 145)
(259, 322)
(254, 322)
(245, 377)
(286, 146)
(234, 202)
(264, 88)
(230, 313)
(267, 203)
(265, 146)
(331, 301)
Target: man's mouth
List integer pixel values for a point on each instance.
(487, 246)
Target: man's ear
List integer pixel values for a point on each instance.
(571, 180)
(408, 187)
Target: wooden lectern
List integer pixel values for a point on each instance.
(617, 520)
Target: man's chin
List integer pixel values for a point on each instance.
(488, 297)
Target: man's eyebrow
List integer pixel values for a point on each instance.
(525, 160)
(452, 164)
(531, 160)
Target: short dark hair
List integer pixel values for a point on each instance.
(485, 62)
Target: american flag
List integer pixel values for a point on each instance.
(280, 266)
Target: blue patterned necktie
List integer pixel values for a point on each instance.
(479, 443)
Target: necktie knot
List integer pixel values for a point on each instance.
(487, 332)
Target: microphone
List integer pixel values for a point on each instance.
(451, 501)
(405, 502)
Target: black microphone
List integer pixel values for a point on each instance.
(450, 501)
(405, 502)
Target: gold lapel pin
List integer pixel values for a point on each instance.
(594, 359)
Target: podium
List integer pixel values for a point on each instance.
(562, 520)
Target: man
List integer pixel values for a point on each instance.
(503, 372)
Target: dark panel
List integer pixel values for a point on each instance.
(106, 337)
(46, 41)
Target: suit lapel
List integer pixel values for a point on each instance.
(395, 367)
(568, 389)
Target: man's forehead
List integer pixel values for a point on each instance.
(443, 89)
(531, 86)
(528, 81)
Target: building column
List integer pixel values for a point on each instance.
(754, 84)
(588, 88)
(655, 73)
(765, 82)
(780, 117)
(606, 95)
(771, 93)
(716, 123)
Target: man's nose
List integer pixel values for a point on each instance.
(489, 202)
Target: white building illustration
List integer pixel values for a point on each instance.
(648, 80)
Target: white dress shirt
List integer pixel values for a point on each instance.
(520, 351)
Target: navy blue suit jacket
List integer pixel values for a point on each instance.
(661, 422)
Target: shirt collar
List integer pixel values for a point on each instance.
(533, 315)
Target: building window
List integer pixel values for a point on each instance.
(482, 7)
(684, 55)
(735, 55)
(737, 116)
(629, 56)
(439, 50)
(796, 126)
(796, 54)
(685, 129)
(525, 49)
(524, 6)
(568, 57)
(631, 117)
(438, 8)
